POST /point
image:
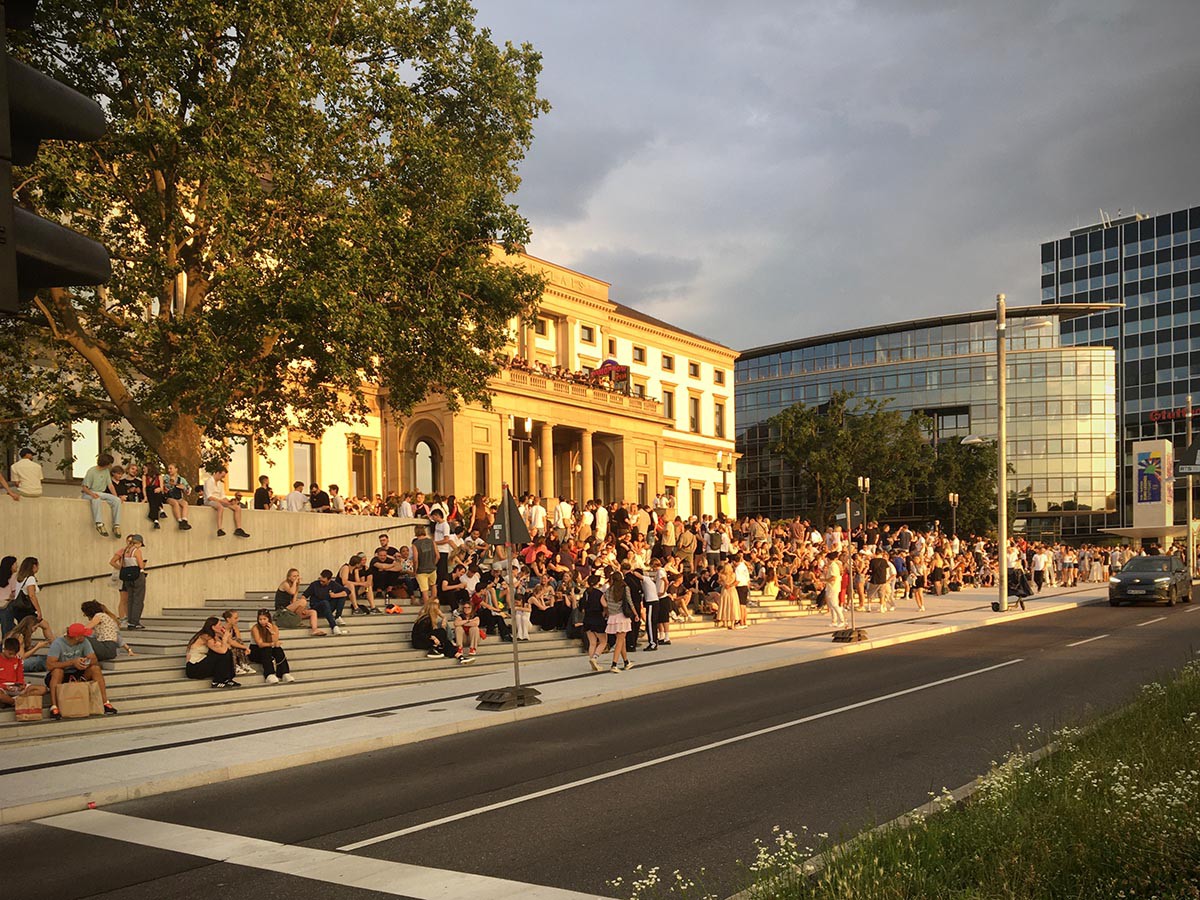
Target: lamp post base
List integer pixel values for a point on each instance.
(850, 635)
(508, 698)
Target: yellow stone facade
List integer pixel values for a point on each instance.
(584, 442)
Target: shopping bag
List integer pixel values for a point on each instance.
(28, 709)
(74, 700)
(95, 703)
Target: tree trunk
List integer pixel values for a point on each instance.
(181, 445)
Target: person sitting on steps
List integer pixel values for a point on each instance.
(466, 631)
(267, 651)
(291, 611)
(208, 655)
(429, 632)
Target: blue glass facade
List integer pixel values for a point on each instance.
(1151, 264)
(1062, 439)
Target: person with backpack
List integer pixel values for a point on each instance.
(131, 570)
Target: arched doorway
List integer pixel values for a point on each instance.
(426, 461)
(603, 473)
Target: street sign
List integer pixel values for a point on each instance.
(1187, 463)
(508, 527)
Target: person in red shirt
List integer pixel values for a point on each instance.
(12, 675)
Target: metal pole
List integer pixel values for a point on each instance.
(508, 554)
(1002, 451)
(847, 578)
(1191, 534)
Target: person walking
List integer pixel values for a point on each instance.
(594, 620)
(621, 614)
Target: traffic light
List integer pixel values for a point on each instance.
(37, 253)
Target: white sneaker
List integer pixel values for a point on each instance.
(272, 679)
(340, 630)
(339, 620)
(288, 678)
(595, 664)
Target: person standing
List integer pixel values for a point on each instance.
(262, 494)
(131, 570)
(443, 543)
(621, 614)
(594, 615)
(741, 583)
(650, 608)
(601, 528)
(833, 589)
(728, 614)
(97, 487)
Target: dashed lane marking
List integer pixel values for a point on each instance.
(625, 770)
(1150, 621)
(1088, 640)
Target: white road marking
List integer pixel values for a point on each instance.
(604, 776)
(1088, 640)
(1191, 608)
(380, 875)
(1151, 621)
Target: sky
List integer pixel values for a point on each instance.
(767, 170)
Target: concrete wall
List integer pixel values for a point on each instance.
(59, 533)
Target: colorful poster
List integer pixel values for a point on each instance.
(1149, 477)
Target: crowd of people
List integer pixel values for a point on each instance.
(602, 378)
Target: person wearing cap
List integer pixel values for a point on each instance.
(131, 570)
(72, 658)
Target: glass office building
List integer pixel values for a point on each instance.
(1061, 409)
(1151, 265)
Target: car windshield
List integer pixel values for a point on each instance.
(1146, 564)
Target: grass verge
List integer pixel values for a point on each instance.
(1113, 813)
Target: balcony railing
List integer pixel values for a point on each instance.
(597, 395)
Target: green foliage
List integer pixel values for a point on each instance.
(831, 445)
(969, 472)
(1111, 814)
(299, 197)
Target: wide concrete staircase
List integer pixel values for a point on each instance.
(376, 654)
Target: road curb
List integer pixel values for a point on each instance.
(120, 792)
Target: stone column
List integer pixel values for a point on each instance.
(531, 484)
(547, 454)
(585, 461)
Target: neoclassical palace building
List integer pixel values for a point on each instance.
(600, 402)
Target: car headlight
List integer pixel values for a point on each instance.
(1166, 579)
(1114, 581)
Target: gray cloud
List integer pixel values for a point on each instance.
(818, 166)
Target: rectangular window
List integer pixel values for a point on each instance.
(639, 354)
(362, 472)
(587, 334)
(669, 405)
(241, 465)
(612, 346)
(694, 415)
(643, 490)
(541, 326)
(669, 493)
(719, 419)
(304, 462)
(85, 446)
(481, 474)
(668, 362)
(718, 376)
(693, 370)
(639, 390)
(697, 501)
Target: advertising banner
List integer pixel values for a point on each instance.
(1153, 490)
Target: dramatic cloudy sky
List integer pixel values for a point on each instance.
(766, 169)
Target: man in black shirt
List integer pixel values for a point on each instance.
(328, 599)
(318, 500)
(879, 586)
(383, 572)
(262, 495)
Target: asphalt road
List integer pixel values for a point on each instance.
(842, 770)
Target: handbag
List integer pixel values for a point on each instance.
(129, 574)
(21, 606)
(75, 700)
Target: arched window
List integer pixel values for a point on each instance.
(427, 464)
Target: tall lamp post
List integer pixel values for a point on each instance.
(724, 466)
(953, 498)
(864, 488)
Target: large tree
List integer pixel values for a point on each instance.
(831, 445)
(298, 195)
(970, 472)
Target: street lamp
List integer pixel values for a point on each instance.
(953, 498)
(518, 438)
(864, 488)
(724, 466)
